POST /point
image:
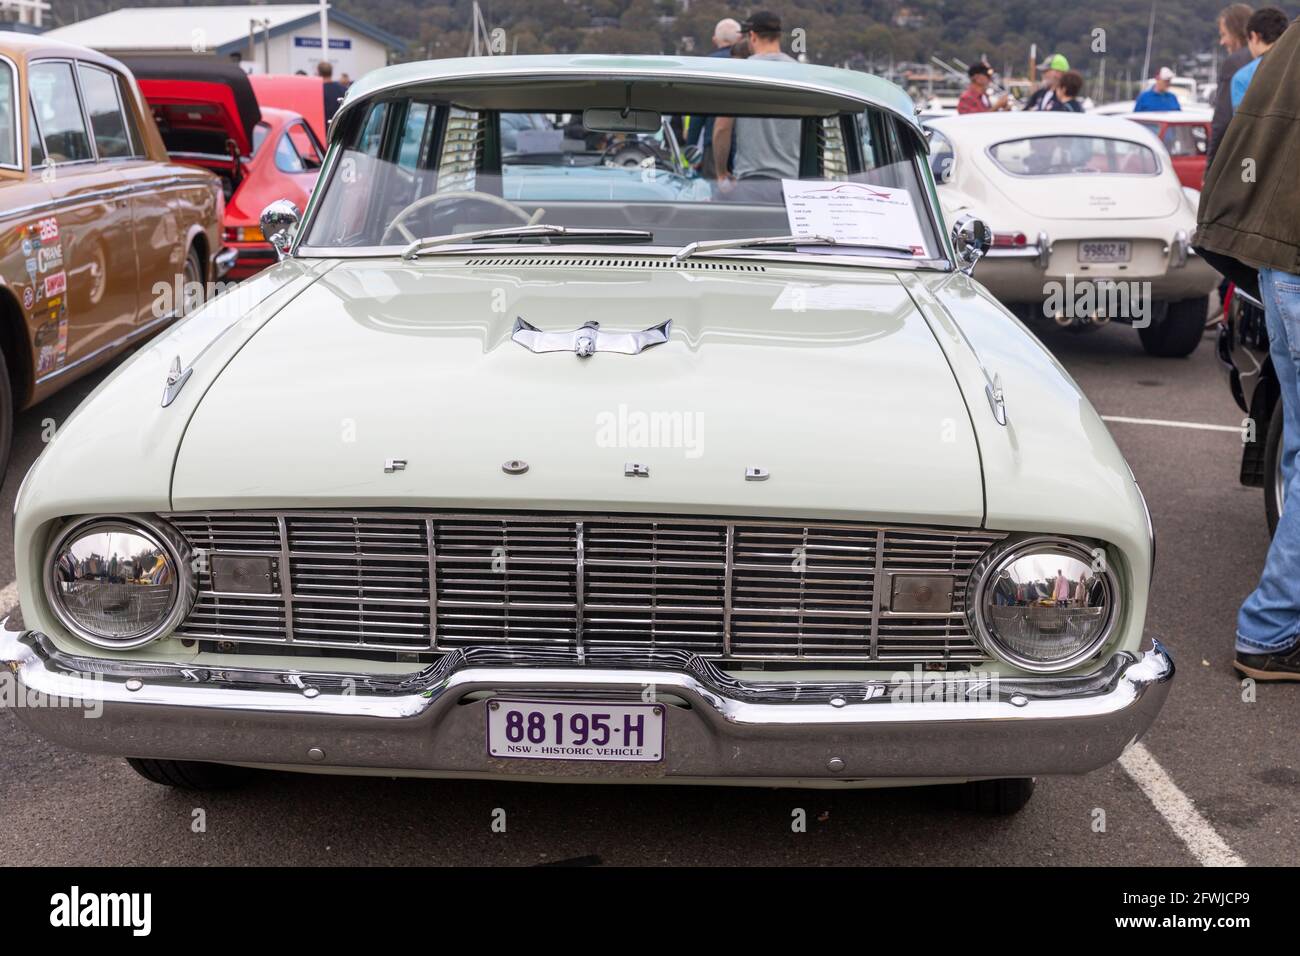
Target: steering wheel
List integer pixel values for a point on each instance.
(629, 155)
(466, 195)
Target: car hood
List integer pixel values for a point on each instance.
(827, 380)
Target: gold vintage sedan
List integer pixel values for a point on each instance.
(94, 221)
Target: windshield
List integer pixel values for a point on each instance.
(417, 168)
(1065, 155)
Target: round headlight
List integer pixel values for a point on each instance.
(1044, 604)
(119, 582)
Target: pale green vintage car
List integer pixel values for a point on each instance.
(753, 484)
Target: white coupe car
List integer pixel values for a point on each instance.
(1089, 221)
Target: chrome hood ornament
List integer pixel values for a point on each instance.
(589, 339)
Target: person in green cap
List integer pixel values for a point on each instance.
(1053, 68)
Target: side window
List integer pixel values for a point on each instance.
(371, 139)
(34, 140)
(54, 95)
(297, 150)
(287, 159)
(260, 132)
(834, 159)
(127, 98)
(941, 157)
(8, 116)
(413, 150)
(107, 120)
(308, 149)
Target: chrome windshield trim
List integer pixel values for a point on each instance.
(632, 76)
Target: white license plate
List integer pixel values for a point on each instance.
(1104, 251)
(582, 730)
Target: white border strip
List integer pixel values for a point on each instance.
(1169, 423)
(1202, 840)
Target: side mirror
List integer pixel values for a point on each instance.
(279, 223)
(972, 239)
(693, 154)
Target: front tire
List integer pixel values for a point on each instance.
(190, 774)
(1274, 491)
(1176, 328)
(996, 798)
(192, 279)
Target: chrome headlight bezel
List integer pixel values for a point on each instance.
(997, 559)
(156, 532)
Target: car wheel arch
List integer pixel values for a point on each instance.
(16, 343)
(197, 238)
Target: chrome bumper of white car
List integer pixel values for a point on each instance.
(718, 727)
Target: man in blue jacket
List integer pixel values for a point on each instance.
(1159, 98)
(1263, 30)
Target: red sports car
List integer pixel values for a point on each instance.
(209, 116)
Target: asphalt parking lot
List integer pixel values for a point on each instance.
(1216, 781)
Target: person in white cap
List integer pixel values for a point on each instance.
(1159, 97)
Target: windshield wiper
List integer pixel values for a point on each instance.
(713, 245)
(537, 230)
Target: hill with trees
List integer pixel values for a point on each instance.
(863, 34)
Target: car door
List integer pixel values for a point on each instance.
(155, 227)
(87, 275)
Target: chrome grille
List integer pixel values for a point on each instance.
(762, 590)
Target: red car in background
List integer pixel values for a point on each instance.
(1186, 135)
(209, 116)
(304, 95)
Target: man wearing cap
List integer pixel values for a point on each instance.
(767, 147)
(1054, 67)
(1159, 98)
(975, 98)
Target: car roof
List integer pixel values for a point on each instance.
(32, 46)
(1189, 117)
(760, 85)
(985, 129)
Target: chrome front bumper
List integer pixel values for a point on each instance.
(224, 261)
(718, 728)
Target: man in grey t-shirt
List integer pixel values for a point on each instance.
(767, 148)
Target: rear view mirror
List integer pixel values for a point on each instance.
(622, 121)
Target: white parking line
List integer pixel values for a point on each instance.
(1177, 808)
(1170, 423)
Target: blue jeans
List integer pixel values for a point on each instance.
(1269, 620)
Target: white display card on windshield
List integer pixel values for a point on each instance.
(855, 214)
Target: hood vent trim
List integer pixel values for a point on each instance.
(603, 262)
